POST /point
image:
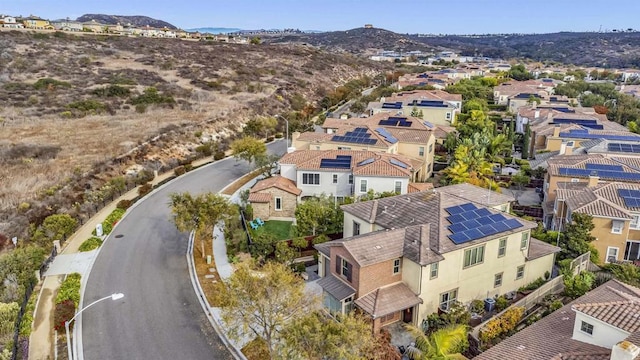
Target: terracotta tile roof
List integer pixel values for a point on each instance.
(634, 338)
(579, 355)
(538, 249)
(387, 300)
(279, 182)
(533, 342)
(259, 197)
(315, 137)
(602, 200)
(336, 287)
(418, 187)
(609, 191)
(373, 122)
(423, 95)
(380, 166)
(623, 314)
(411, 136)
(441, 132)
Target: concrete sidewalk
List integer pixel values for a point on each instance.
(41, 341)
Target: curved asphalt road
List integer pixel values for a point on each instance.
(160, 316)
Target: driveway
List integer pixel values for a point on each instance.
(144, 258)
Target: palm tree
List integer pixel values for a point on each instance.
(444, 344)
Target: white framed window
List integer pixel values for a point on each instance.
(616, 226)
(421, 151)
(502, 247)
(310, 178)
(356, 228)
(524, 241)
(612, 254)
(635, 223)
(396, 266)
(350, 178)
(448, 116)
(587, 328)
(278, 204)
(348, 304)
(335, 178)
(434, 271)
(520, 272)
(575, 180)
(473, 256)
(398, 187)
(448, 298)
(363, 186)
(497, 280)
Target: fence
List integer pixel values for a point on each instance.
(581, 263)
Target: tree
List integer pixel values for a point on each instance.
(19, 266)
(255, 40)
(59, 226)
(249, 149)
(415, 112)
(519, 73)
(266, 164)
(317, 336)
(446, 343)
(526, 142)
(578, 285)
(533, 99)
(200, 213)
(262, 302)
(577, 238)
(520, 180)
(318, 215)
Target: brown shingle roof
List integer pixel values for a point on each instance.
(538, 249)
(387, 300)
(423, 95)
(375, 247)
(279, 182)
(418, 187)
(476, 194)
(336, 287)
(552, 336)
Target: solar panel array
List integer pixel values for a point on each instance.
(366, 162)
(631, 197)
(428, 124)
(386, 135)
(584, 134)
(399, 163)
(604, 167)
(340, 162)
(627, 148)
(357, 136)
(564, 110)
(604, 174)
(432, 103)
(395, 121)
(396, 105)
(590, 123)
(470, 223)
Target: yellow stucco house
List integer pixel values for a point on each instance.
(36, 23)
(406, 257)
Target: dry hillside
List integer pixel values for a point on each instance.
(71, 104)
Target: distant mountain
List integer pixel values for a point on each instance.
(213, 30)
(135, 20)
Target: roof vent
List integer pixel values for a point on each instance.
(521, 347)
(378, 247)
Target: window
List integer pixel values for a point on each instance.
(635, 223)
(497, 280)
(520, 272)
(474, 256)
(585, 327)
(575, 180)
(430, 148)
(335, 178)
(396, 266)
(278, 204)
(434, 271)
(448, 298)
(350, 179)
(421, 151)
(398, 187)
(356, 228)
(502, 247)
(343, 268)
(310, 179)
(612, 254)
(344, 148)
(348, 304)
(448, 116)
(331, 303)
(617, 226)
(363, 186)
(525, 241)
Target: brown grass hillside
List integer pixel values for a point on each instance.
(71, 104)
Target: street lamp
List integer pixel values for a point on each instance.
(287, 133)
(116, 296)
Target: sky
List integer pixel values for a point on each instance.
(401, 16)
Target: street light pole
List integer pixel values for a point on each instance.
(287, 132)
(115, 296)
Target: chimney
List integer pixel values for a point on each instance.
(568, 150)
(593, 181)
(556, 131)
(625, 350)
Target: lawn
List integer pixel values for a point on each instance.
(281, 229)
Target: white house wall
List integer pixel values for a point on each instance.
(380, 184)
(603, 335)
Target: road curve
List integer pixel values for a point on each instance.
(160, 316)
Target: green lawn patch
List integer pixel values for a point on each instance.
(90, 244)
(281, 229)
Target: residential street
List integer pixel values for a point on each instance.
(144, 258)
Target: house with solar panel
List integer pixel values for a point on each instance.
(405, 257)
(435, 106)
(407, 136)
(541, 89)
(345, 173)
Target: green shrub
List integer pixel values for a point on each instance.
(8, 317)
(27, 318)
(180, 170)
(88, 106)
(152, 96)
(576, 286)
(502, 325)
(70, 289)
(121, 80)
(112, 91)
(64, 312)
(145, 189)
(91, 243)
(501, 303)
(219, 155)
(49, 83)
(141, 108)
(111, 220)
(477, 306)
(534, 285)
(124, 204)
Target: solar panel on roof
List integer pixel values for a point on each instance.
(470, 215)
(454, 210)
(405, 123)
(500, 226)
(344, 157)
(631, 202)
(428, 124)
(459, 238)
(471, 224)
(604, 167)
(473, 234)
(483, 212)
(457, 218)
(398, 163)
(496, 218)
(365, 162)
(468, 207)
(386, 135)
(513, 224)
(487, 230)
(456, 228)
(628, 148)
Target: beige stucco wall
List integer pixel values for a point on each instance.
(267, 210)
(605, 238)
(413, 151)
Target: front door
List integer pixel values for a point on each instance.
(407, 316)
